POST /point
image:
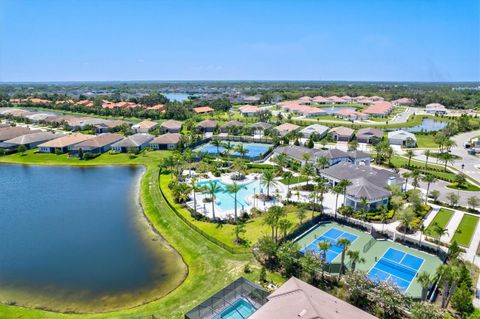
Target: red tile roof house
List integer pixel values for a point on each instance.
(165, 142)
(337, 100)
(351, 115)
(320, 100)
(379, 109)
(404, 101)
(286, 128)
(305, 100)
(145, 126)
(249, 110)
(171, 126)
(203, 109)
(342, 133)
(307, 111)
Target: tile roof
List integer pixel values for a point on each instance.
(369, 132)
(66, 140)
(207, 124)
(33, 138)
(172, 124)
(203, 109)
(99, 141)
(168, 138)
(342, 131)
(146, 124)
(262, 125)
(134, 140)
(7, 133)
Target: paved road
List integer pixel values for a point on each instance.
(471, 162)
(403, 117)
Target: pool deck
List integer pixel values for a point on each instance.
(374, 253)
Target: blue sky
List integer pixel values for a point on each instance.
(369, 40)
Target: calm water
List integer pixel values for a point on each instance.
(75, 239)
(176, 96)
(428, 125)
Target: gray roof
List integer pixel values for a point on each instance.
(297, 299)
(134, 140)
(294, 151)
(379, 177)
(401, 134)
(98, 141)
(358, 154)
(262, 125)
(207, 124)
(369, 132)
(34, 138)
(361, 187)
(169, 138)
(297, 152)
(172, 124)
(232, 124)
(7, 133)
(315, 128)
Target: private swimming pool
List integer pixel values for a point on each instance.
(241, 309)
(254, 150)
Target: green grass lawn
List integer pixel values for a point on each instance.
(294, 180)
(255, 227)
(426, 141)
(464, 187)
(398, 161)
(209, 267)
(463, 234)
(441, 219)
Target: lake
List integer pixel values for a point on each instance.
(75, 239)
(428, 125)
(179, 97)
(334, 109)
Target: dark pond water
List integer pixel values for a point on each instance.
(428, 125)
(75, 239)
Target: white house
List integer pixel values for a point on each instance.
(403, 138)
(321, 130)
(435, 108)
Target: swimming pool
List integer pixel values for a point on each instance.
(241, 309)
(226, 201)
(254, 150)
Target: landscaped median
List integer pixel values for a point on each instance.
(464, 233)
(441, 220)
(209, 266)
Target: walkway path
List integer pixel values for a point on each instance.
(452, 226)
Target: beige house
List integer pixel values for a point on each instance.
(145, 126)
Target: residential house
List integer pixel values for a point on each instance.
(342, 133)
(320, 100)
(320, 130)
(207, 126)
(369, 135)
(286, 128)
(249, 110)
(108, 126)
(379, 109)
(435, 108)
(203, 109)
(351, 115)
(404, 102)
(166, 141)
(367, 183)
(231, 127)
(305, 100)
(62, 144)
(145, 126)
(259, 128)
(297, 299)
(403, 138)
(135, 142)
(96, 145)
(171, 126)
(7, 133)
(32, 140)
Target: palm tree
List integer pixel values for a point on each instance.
(383, 215)
(281, 159)
(268, 179)
(272, 218)
(424, 280)
(344, 183)
(284, 225)
(427, 154)
(355, 257)
(240, 149)
(217, 143)
(238, 230)
(323, 162)
(322, 188)
(212, 188)
(410, 154)
(446, 158)
(234, 189)
(429, 179)
(287, 175)
(324, 246)
(306, 157)
(343, 243)
(228, 149)
(415, 177)
(337, 190)
(422, 230)
(308, 170)
(406, 175)
(364, 207)
(193, 184)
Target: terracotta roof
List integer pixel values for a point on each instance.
(159, 107)
(99, 141)
(378, 108)
(146, 124)
(342, 131)
(286, 128)
(67, 140)
(249, 109)
(203, 109)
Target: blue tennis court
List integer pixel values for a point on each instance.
(397, 267)
(332, 235)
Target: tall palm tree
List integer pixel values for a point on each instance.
(323, 162)
(322, 188)
(281, 159)
(355, 257)
(337, 190)
(343, 243)
(344, 183)
(193, 184)
(415, 178)
(410, 154)
(272, 218)
(287, 175)
(228, 146)
(383, 215)
(234, 189)
(406, 175)
(424, 280)
(429, 179)
(324, 246)
(284, 225)
(217, 143)
(364, 207)
(268, 180)
(427, 155)
(308, 170)
(212, 188)
(240, 149)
